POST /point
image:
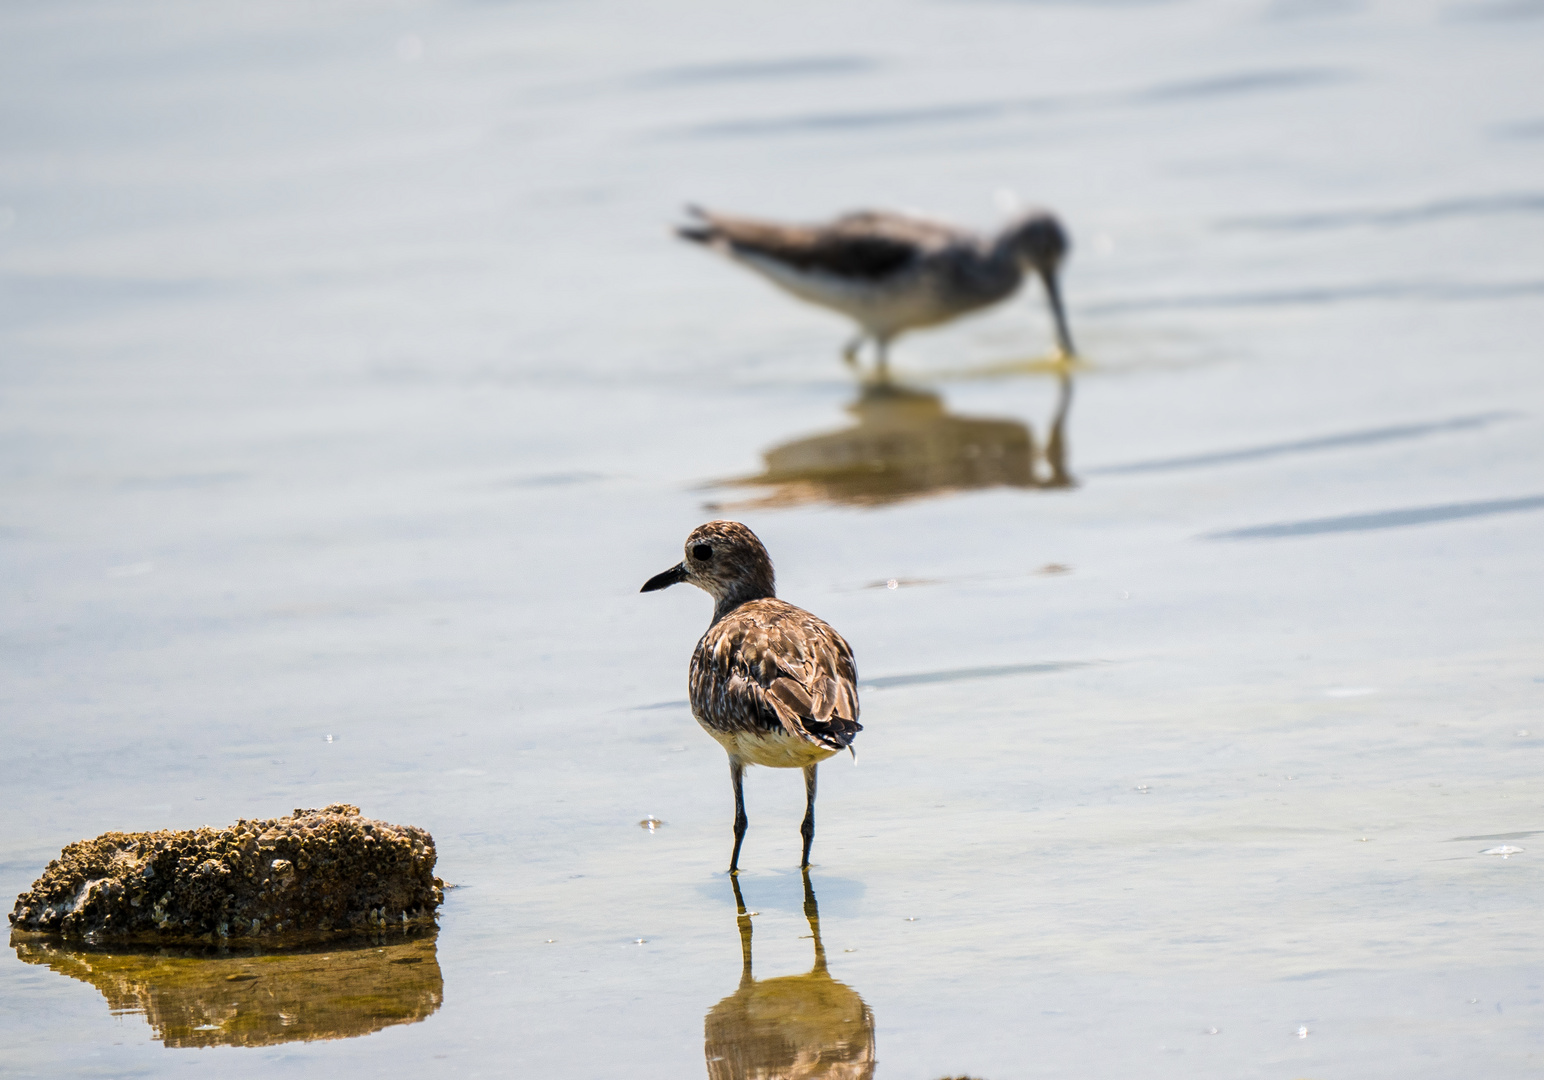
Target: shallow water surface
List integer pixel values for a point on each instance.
(351, 386)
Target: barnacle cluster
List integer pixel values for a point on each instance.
(315, 874)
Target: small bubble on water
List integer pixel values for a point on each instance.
(1522, 733)
(640, 941)
(1289, 778)
(550, 941)
(1302, 1032)
(910, 918)
(651, 823)
(330, 738)
(1474, 1001)
(1210, 1031)
(849, 950)
(1364, 839)
(892, 583)
(1145, 789)
(1506, 851)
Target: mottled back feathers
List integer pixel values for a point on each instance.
(768, 665)
(866, 245)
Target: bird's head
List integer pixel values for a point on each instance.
(725, 560)
(1038, 243)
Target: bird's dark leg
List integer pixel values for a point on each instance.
(737, 777)
(808, 828)
(850, 350)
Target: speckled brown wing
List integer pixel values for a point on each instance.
(769, 665)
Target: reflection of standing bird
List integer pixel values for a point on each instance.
(772, 683)
(796, 1026)
(892, 272)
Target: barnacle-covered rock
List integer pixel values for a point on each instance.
(316, 874)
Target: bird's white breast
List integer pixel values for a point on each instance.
(773, 749)
(880, 307)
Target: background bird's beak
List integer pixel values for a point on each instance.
(674, 576)
(1053, 295)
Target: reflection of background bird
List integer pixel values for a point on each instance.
(892, 272)
(796, 1026)
(772, 683)
(906, 444)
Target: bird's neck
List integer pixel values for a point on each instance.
(742, 593)
(1004, 249)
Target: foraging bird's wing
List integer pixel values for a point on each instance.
(774, 661)
(865, 245)
(919, 232)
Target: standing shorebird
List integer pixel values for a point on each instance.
(772, 683)
(890, 272)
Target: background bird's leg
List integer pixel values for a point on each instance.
(744, 919)
(812, 913)
(737, 777)
(850, 350)
(808, 828)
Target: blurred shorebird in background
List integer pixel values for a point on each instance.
(892, 272)
(772, 683)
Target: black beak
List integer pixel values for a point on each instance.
(674, 576)
(1053, 295)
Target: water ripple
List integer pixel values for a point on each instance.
(1217, 86)
(1425, 291)
(794, 67)
(1383, 519)
(1471, 206)
(1371, 436)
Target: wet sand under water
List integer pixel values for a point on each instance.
(351, 388)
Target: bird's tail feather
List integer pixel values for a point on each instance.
(697, 234)
(835, 733)
(701, 230)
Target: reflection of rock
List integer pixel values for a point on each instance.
(219, 999)
(317, 874)
(796, 1026)
(906, 444)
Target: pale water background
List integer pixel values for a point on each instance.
(350, 386)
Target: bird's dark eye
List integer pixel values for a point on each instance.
(702, 551)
